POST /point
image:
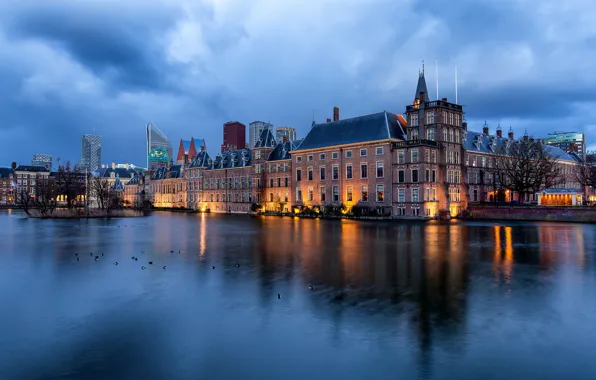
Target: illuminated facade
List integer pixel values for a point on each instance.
(569, 142)
(6, 186)
(168, 187)
(158, 148)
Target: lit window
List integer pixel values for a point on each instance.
(349, 193)
(415, 195)
(380, 193)
(322, 195)
(364, 193)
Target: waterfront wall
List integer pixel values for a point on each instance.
(554, 214)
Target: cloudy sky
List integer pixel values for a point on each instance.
(69, 67)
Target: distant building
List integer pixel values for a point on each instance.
(6, 186)
(254, 131)
(188, 150)
(91, 152)
(284, 134)
(234, 136)
(569, 142)
(159, 148)
(42, 160)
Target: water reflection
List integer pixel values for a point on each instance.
(424, 300)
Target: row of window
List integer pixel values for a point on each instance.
(335, 197)
(335, 155)
(430, 176)
(437, 116)
(429, 195)
(236, 197)
(449, 134)
(335, 172)
(430, 155)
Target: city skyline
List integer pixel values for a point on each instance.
(189, 84)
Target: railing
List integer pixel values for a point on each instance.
(419, 142)
(436, 103)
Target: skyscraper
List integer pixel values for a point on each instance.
(91, 152)
(254, 131)
(234, 136)
(283, 134)
(42, 160)
(159, 148)
(570, 142)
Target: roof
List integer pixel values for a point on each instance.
(31, 168)
(118, 172)
(561, 191)
(202, 160)
(199, 143)
(161, 173)
(266, 139)
(421, 87)
(5, 172)
(491, 144)
(282, 151)
(374, 127)
(232, 159)
(134, 180)
(118, 185)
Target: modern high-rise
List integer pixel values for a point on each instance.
(254, 131)
(570, 142)
(283, 134)
(91, 152)
(159, 148)
(44, 160)
(234, 136)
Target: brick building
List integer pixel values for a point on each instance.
(234, 136)
(27, 175)
(168, 187)
(6, 188)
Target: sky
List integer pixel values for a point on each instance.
(69, 67)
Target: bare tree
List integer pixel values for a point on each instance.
(585, 173)
(24, 199)
(70, 182)
(527, 168)
(114, 201)
(100, 190)
(45, 196)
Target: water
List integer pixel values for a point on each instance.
(390, 300)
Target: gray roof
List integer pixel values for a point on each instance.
(134, 180)
(202, 160)
(232, 159)
(282, 151)
(118, 185)
(421, 87)
(266, 139)
(5, 172)
(119, 172)
(159, 173)
(491, 144)
(374, 127)
(31, 168)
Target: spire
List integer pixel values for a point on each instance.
(421, 87)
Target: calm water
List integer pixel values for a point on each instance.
(390, 301)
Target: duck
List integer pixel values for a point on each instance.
(150, 262)
(143, 267)
(237, 265)
(78, 259)
(115, 263)
(311, 287)
(164, 267)
(213, 267)
(278, 296)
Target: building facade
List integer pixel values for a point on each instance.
(569, 142)
(168, 187)
(91, 152)
(40, 159)
(283, 134)
(6, 186)
(234, 136)
(158, 148)
(254, 131)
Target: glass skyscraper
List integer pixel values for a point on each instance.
(91, 152)
(159, 148)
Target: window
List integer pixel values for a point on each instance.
(298, 174)
(414, 155)
(380, 169)
(322, 156)
(457, 137)
(309, 157)
(433, 155)
(430, 117)
(427, 194)
(257, 154)
(379, 150)
(278, 182)
(483, 162)
(401, 195)
(363, 170)
(430, 133)
(270, 182)
(426, 155)
(450, 118)
(364, 193)
(309, 171)
(298, 194)
(401, 176)
(322, 173)
(434, 193)
(335, 172)
(277, 168)
(414, 134)
(414, 120)
(285, 166)
(415, 195)
(322, 194)
(270, 197)
(348, 153)
(270, 168)
(427, 175)
(444, 134)
(457, 120)
(298, 159)
(475, 196)
(380, 193)
(451, 139)
(363, 152)
(474, 161)
(257, 168)
(310, 194)
(335, 194)
(286, 182)
(401, 157)
(349, 171)
(415, 175)
(434, 177)
(334, 155)
(349, 193)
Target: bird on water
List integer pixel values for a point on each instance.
(278, 296)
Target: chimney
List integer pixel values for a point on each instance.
(421, 96)
(335, 114)
(328, 120)
(444, 99)
(485, 129)
(499, 132)
(510, 134)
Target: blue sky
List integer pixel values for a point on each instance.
(108, 67)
